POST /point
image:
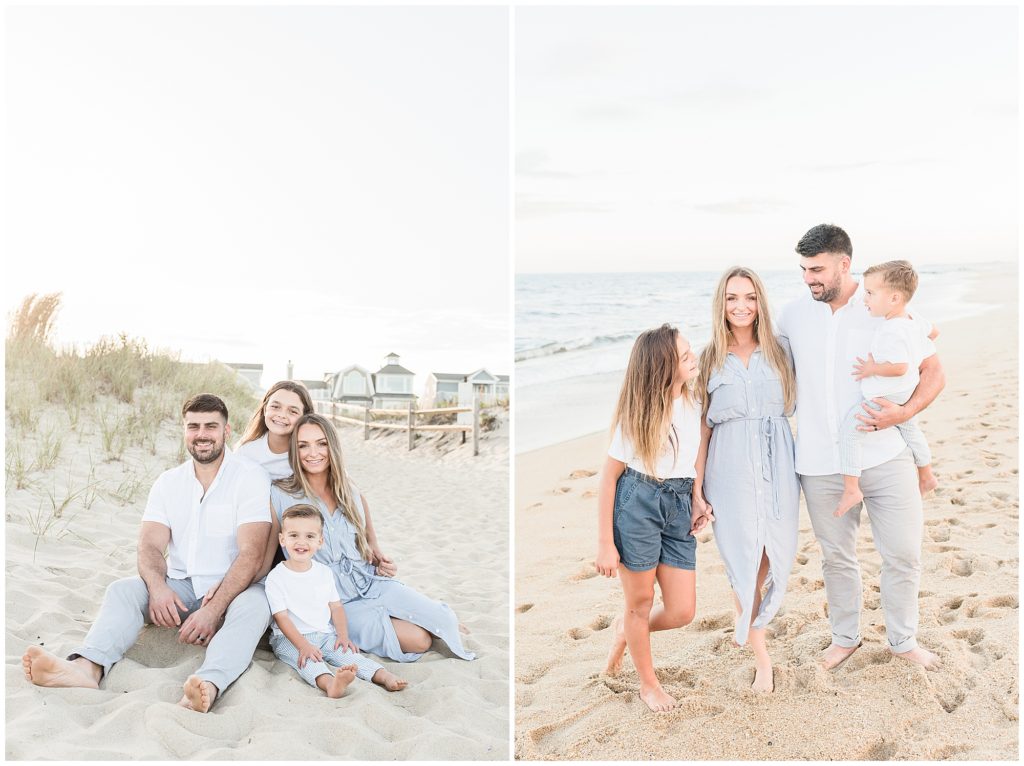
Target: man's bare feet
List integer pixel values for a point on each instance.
(45, 669)
(850, 498)
(199, 694)
(836, 655)
(922, 657)
(656, 698)
(618, 650)
(764, 680)
(389, 681)
(338, 683)
(926, 480)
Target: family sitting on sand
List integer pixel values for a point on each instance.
(699, 440)
(223, 518)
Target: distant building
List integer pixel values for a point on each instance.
(392, 385)
(353, 385)
(250, 373)
(319, 390)
(443, 387)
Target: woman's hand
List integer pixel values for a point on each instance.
(386, 567)
(607, 562)
(345, 643)
(701, 514)
(308, 652)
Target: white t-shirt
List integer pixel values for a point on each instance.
(258, 450)
(204, 542)
(686, 421)
(898, 340)
(304, 595)
(825, 346)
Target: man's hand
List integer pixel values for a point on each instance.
(345, 643)
(164, 606)
(607, 562)
(308, 652)
(891, 414)
(200, 626)
(865, 368)
(211, 593)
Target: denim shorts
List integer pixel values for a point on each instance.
(651, 522)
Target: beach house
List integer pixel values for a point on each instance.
(353, 385)
(443, 387)
(392, 385)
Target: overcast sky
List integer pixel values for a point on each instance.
(663, 138)
(319, 184)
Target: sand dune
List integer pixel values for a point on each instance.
(439, 512)
(874, 707)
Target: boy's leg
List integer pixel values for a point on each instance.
(850, 459)
(285, 651)
(230, 651)
(365, 667)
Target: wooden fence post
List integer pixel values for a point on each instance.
(366, 423)
(412, 433)
(476, 426)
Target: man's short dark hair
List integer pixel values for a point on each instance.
(205, 403)
(825, 238)
(302, 511)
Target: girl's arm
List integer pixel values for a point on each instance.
(306, 650)
(341, 627)
(385, 566)
(607, 562)
(702, 512)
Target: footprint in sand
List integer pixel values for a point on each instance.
(801, 559)
(562, 490)
(585, 573)
(577, 634)
(971, 635)
(524, 608)
(534, 674)
(600, 622)
(939, 534)
(582, 474)
(715, 621)
(589, 494)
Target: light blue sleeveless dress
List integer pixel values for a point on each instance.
(750, 480)
(371, 600)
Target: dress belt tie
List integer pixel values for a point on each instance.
(767, 443)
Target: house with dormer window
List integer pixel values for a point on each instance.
(353, 385)
(392, 385)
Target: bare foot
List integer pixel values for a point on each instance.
(389, 681)
(463, 629)
(836, 655)
(764, 680)
(922, 657)
(926, 481)
(337, 685)
(199, 694)
(849, 499)
(618, 650)
(45, 669)
(657, 699)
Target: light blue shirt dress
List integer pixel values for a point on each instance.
(371, 600)
(750, 480)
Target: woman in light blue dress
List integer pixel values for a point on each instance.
(385, 617)
(745, 466)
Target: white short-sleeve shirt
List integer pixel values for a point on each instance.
(258, 450)
(898, 340)
(304, 595)
(825, 347)
(204, 541)
(670, 465)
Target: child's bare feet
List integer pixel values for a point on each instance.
(336, 685)
(199, 694)
(618, 650)
(764, 681)
(44, 669)
(389, 681)
(656, 698)
(851, 496)
(836, 655)
(922, 657)
(463, 629)
(926, 480)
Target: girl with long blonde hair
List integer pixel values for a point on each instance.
(269, 431)
(385, 616)
(745, 465)
(645, 524)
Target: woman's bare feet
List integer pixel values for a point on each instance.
(618, 650)
(336, 685)
(764, 680)
(389, 681)
(851, 496)
(199, 694)
(836, 655)
(926, 480)
(656, 698)
(45, 669)
(463, 629)
(922, 657)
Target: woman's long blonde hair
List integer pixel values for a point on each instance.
(712, 358)
(297, 485)
(258, 422)
(644, 409)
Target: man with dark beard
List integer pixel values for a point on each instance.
(211, 515)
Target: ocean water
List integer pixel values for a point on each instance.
(574, 333)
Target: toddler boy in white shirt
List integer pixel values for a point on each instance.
(890, 372)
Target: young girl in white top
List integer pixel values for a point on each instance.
(269, 431)
(647, 511)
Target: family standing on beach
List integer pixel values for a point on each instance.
(223, 518)
(706, 439)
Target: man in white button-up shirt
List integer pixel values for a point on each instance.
(827, 330)
(212, 516)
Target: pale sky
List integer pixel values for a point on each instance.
(679, 138)
(326, 185)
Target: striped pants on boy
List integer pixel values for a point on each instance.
(286, 652)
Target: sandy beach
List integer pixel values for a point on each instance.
(439, 512)
(873, 707)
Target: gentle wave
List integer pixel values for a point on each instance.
(581, 344)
